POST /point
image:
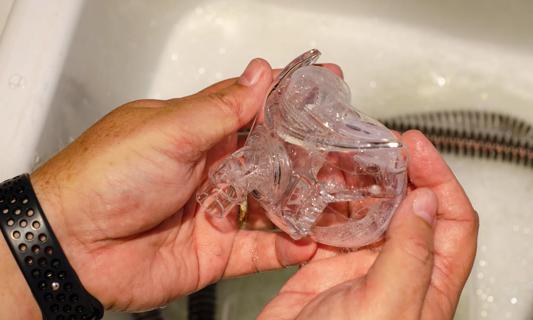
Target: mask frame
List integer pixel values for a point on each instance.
(317, 165)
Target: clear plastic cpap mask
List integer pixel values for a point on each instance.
(317, 165)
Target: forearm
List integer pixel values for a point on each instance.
(16, 300)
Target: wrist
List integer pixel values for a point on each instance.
(48, 193)
(16, 299)
(57, 205)
(49, 273)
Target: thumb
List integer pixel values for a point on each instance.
(207, 119)
(400, 277)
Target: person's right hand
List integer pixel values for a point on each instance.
(421, 270)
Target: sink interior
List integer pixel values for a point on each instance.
(397, 57)
(5, 8)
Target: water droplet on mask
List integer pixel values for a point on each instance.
(374, 189)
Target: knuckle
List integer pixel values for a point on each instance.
(141, 103)
(414, 132)
(419, 250)
(256, 261)
(227, 103)
(417, 134)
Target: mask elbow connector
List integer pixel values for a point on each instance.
(218, 199)
(225, 188)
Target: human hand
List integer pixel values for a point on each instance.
(119, 198)
(423, 265)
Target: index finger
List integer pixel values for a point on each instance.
(427, 169)
(457, 223)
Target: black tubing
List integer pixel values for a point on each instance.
(202, 304)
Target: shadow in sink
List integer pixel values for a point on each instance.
(113, 54)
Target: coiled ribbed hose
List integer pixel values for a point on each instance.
(473, 133)
(463, 132)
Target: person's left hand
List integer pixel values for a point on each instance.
(421, 269)
(119, 198)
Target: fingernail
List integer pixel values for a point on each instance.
(251, 74)
(425, 205)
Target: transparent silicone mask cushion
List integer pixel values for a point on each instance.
(319, 167)
(313, 105)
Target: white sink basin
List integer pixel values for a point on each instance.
(66, 63)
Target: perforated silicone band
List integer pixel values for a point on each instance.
(53, 282)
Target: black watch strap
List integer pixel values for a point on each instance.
(53, 282)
